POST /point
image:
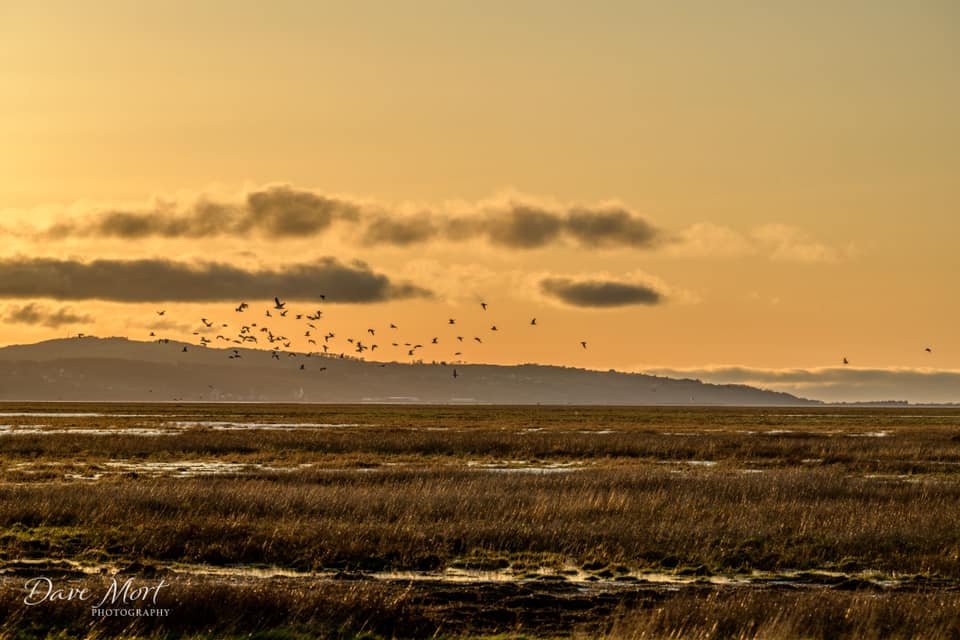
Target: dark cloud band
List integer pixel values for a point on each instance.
(165, 280)
(286, 212)
(599, 293)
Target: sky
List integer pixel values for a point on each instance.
(693, 187)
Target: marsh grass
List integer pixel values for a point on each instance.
(826, 615)
(854, 492)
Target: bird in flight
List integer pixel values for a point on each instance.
(493, 328)
(484, 305)
(451, 321)
(455, 374)
(241, 307)
(393, 326)
(928, 350)
(184, 350)
(583, 343)
(434, 341)
(277, 304)
(160, 313)
(477, 339)
(845, 361)
(533, 322)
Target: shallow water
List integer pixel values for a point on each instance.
(218, 425)
(459, 575)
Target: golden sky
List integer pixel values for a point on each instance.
(682, 184)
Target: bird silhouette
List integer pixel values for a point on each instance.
(434, 341)
(277, 304)
(928, 350)
(533, 322)
(451, 321)
(493, 328)
(455, 374)
(483, 305)
(241, 307)
(845, 361)
(583, 343)
(160, 313)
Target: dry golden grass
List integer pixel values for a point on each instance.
(867, 494)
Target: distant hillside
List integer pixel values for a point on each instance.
(117, 369)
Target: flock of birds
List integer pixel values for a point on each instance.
(247, 335)
(250, 334)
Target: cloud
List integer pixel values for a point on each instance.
(382, 229)
(285, 211)
(522, 226)
(166, 324)
(276, 211)
(836, 384)
(513, 221)
(784, 242)
(779, 242)
(164, 280)
(282, 211)
(35, 314)
(600, 293)
(610, 226)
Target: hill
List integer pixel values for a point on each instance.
(117, 369)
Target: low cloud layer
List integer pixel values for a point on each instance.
(279, 212)
(40, 315)
(165, 280)
(599, 293)
(837, 384)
